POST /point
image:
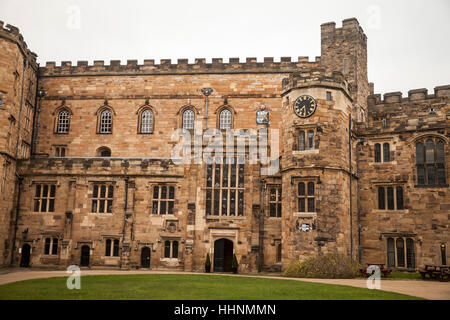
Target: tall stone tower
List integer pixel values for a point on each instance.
(345, 50)
(18, 81)
(315, 164)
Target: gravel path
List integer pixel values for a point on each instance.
(424, 289)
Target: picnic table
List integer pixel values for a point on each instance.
(386, 271)
(439, 272)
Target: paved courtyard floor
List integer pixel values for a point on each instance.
(433, 290)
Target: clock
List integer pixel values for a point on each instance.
(305, 106)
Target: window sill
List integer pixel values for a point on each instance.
(431, 186)
(301, 152)
(226, 217)
(111, 257)
(305, 214)
(101, 214)
(60, 132)
(390, 211)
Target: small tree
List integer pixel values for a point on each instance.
(235, 264)
(207, 263)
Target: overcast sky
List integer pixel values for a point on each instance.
(408, 41)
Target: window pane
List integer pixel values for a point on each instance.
(52, 191)
(166, 249)
(410, 257)
(51, 205)
(155, 207)
(241, 175)
(208, 202)
(232, 202)
(102, 206)
(377, 152)
(217, 176)
(225, 175)
(108, 248)
(441, 174)
(45, 191)
(216, 201)
(399, 198)
(241, 202)
(301, 189)
(47, 246)
(273, 210)
(420, 175)
(209, 175)
(310, 139)
(110, 192)
(155, 192)
(301, 140)
(175, 249)
(279, 209)
(310, 188)
(171, 193)
(225, 119)
(94, 206)
(233, 174)
(106, 121)
(386, 151)
(390, 198)
(95, 191)
(102, 191)
(36, 205)
(162, 207)
(400, 253)
(224, 202)
(431, 175)
(273, 194)
(391, 252)
(170, 210)
(163, 192)
(310, 204)
(43, 205)
(301, 205)
(38, 191)
(429, 153)
(439, 152)
(420, 154)
(147, 121)
(116, 248)
(55, 246)
(381, 204)
(109, 206)
(188, 119)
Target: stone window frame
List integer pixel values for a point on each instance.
(100, 111)
(278, 250)
(60, 150)
(423, 139)
(38, 200)
(306, 196)
(305, 130)
(277, 202)
(381, 142)
(385, 187)
(395, 249)
(140, 111)
(51, 246)
(56, 117)
(215, 190)
(180, 115)
(218, 113)
(169, 203)
(168, 248)
(114, 243)
(110, 185)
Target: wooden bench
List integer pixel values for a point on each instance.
(438, 272)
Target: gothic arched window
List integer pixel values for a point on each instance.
(146, 121)
(105, 121)
(430, 162)
(63, 122)
(225, 120)
(188, 119)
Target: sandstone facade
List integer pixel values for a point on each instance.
(117, 199)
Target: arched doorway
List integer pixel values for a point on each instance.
(223, 255)
(25, 259)
(85, 254)
(145, 257)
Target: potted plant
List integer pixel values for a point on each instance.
(235, 265)
(207, 264)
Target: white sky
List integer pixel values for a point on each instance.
(408, 41)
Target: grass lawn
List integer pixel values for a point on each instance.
(187, 287)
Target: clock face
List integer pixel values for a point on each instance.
(304, 106)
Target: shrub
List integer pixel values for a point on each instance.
(235, 264)
(327, 266)
(207, 263)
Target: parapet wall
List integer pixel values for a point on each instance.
(181, 67)
(413, 95)
(12, 33)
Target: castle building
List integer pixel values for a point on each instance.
(88, 173)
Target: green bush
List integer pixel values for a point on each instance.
(326, 266)
(207, 263)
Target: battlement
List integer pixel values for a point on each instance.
(413, 95)
(182, 66)
(12, 33)
(348, 25)
(316, 77)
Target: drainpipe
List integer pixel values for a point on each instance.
(351, 184)
(40, 94)
(358, 204)
(261, 227)
(13, 247)
(206, 92)
(124, 217)
(25, 63)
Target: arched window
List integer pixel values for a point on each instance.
(146, 123)
(166, 249)
(430, 162)
(105, 121)
(386, 152)
(63, 122)
(400, 252)
(377, 152)
(108, 248)
(175, 249)
(391, 252)
(225, 120)
(103, 152)
(188, 119)
(410, 256)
